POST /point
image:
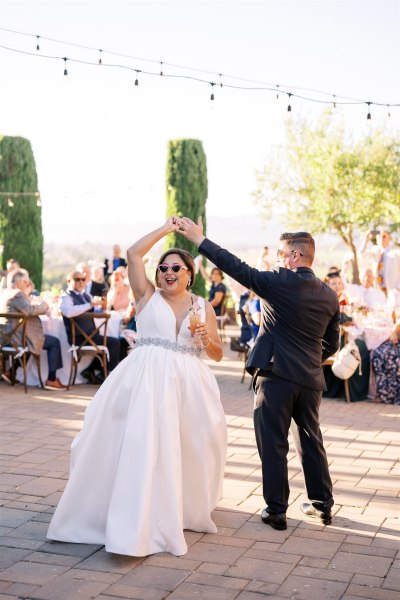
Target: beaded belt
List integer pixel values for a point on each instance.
(156, 341)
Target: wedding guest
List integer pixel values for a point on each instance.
(264, 263)
(111, 265)
(118, 296)
(252, 308)
(99, 285)
(358, 382)
(16, 299)
(384, 259)
(12, 265)
(217, 293)
(94, 283)
(369, 295)
(386, 364)
(74, 302)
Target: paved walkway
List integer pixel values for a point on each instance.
(355, 557)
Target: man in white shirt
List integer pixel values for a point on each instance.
(366, 293)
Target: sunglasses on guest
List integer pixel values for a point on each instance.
(79, 279)
(175, 268)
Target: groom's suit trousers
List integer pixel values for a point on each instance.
(277, 402)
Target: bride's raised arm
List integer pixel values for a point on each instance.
(142, 287)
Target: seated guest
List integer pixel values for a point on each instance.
(16, 299)
(92, 287)
(366, 292)
(119, 294)
(386, 364)
(116, 261)
(99, 287)
(217, 292)
(253, 310)
(128, 336)
(358, 384)
(12, 265)
(74, 302)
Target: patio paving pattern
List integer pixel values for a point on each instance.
(357, 557)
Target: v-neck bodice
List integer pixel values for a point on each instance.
(157, 319)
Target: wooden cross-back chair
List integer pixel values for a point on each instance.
(14, 354)
(88, 346)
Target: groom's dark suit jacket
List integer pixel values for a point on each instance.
(300, 318)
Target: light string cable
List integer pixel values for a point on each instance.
(334, 99)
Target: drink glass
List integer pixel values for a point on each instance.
(194, 321)
(97, 303)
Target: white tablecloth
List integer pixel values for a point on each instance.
(373, 336)
(55, 326)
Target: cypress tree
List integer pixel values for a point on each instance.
(186, 192)
(20, 224)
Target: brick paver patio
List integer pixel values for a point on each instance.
(355, 557)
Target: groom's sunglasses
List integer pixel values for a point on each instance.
(175, 268)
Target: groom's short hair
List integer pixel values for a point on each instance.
(301, 241)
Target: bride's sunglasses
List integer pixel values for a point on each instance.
(175, 268)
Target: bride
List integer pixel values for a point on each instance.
(149, 460)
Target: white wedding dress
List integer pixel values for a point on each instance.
(149, 460)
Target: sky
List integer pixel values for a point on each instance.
(100, 142)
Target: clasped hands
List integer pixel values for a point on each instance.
(188, 228)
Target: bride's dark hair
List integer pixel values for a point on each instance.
(187, 259)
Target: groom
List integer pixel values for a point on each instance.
(299, 330)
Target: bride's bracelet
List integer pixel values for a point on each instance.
(208, 343)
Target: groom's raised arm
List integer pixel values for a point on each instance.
(253, 279)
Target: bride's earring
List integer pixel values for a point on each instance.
(189, 282)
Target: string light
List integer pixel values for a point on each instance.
(262, 86)
(137, 80)
(37, 43)
(289, 108)
(369, 112)
(65, 66)
(10, 203)
(388, 113)
(220, 79)
(212, 90)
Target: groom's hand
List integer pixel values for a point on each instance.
(191, 231)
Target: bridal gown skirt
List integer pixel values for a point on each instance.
(149, 460)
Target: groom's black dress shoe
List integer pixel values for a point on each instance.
(323, 515)
(277, 521)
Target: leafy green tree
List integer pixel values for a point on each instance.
(327, 182)
(20, 217)
(186, 192)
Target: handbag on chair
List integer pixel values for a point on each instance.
(347, 361)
